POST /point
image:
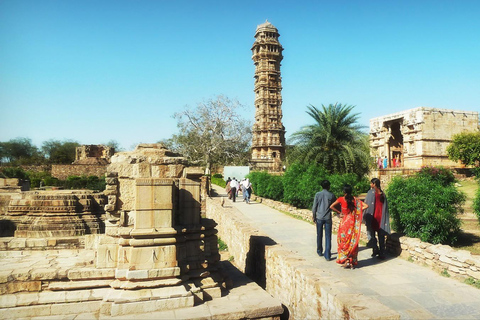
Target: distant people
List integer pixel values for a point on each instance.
(228, 189)
(380, 163)
(394, 162)
(233, 188)
(349, 230)
(247, 190)
(398, 161)
(322, 216)
(385, 163)
(376, 219)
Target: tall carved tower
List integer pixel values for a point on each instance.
(268, 143)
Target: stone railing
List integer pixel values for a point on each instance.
(442, 258)
(307, 292)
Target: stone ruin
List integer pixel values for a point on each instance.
(419, 137)
(156, 254)
(93, 154)
(155, 237)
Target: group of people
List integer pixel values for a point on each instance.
(382, 163)
(352, 211)
(233, 187)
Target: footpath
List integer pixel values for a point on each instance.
(414, 291)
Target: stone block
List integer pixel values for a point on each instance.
(107, 256)
(137, 274)
(44, 274)
(163, 273)
(6, 276)
(27, 299)
(131, 308)
(90, 273)
(75, 308)
(77, 296)
(46, 297)
(25, 312)
(8, 300)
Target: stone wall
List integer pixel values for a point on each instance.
(62, 172)
(305, 291)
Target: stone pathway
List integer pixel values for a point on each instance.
(415, 292)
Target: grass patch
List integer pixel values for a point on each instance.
(445, 273)
(222, 246)
(473, 282)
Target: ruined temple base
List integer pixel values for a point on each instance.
(64, 284)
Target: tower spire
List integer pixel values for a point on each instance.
(268, 141)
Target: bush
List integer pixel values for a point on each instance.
(217, 179)
(421, 207)
(476, 203)
(38, 177)
(440, 174)
(91, 182)
(13, 172)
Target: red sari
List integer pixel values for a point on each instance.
(349, 233)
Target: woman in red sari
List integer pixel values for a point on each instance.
(349, 231)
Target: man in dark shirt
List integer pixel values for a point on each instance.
(322, 216)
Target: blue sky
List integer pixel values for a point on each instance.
(95, 71)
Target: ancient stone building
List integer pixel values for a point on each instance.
(268, 143)
(419, 137)
(93, 154)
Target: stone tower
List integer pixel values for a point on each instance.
(268, 143)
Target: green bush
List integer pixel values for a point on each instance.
(37, 177)
(13, 172)
(300, 183)
(421, 207)
(217, 179)
(439, 174)
(476, 202)
(91, 182)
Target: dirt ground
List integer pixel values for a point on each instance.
(469, 239)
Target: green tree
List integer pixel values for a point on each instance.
(19, 151)
(60, 152)
(212, 133)
(465, 147)
(335, 141)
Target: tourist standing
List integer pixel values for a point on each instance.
(385, 163)
(228, 189)
(376, 219)
(233, 188)
(322, 217)
(379, 163)
(349, 230)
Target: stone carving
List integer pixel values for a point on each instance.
(40, 214)
(268, 141)
(155, 236)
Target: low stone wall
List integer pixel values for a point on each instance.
(62, 172)
(305, 291)
(458, 263)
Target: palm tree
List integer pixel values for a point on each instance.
(335, 140)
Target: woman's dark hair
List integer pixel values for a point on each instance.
(347, 190)
(376, 183)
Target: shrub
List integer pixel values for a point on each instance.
(13, 172)
(218, 180)
(476, 202)
(37, 177)
(421, 207)
(440, 174)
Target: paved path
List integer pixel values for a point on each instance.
(415, 292)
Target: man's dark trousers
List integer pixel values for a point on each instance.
(328, 238)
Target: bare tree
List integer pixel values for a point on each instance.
(213, 133)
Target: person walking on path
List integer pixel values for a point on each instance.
(247, 190)
(228, 188)
(322, 217)
(233, 188)
(376, 218)
(349, 230)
